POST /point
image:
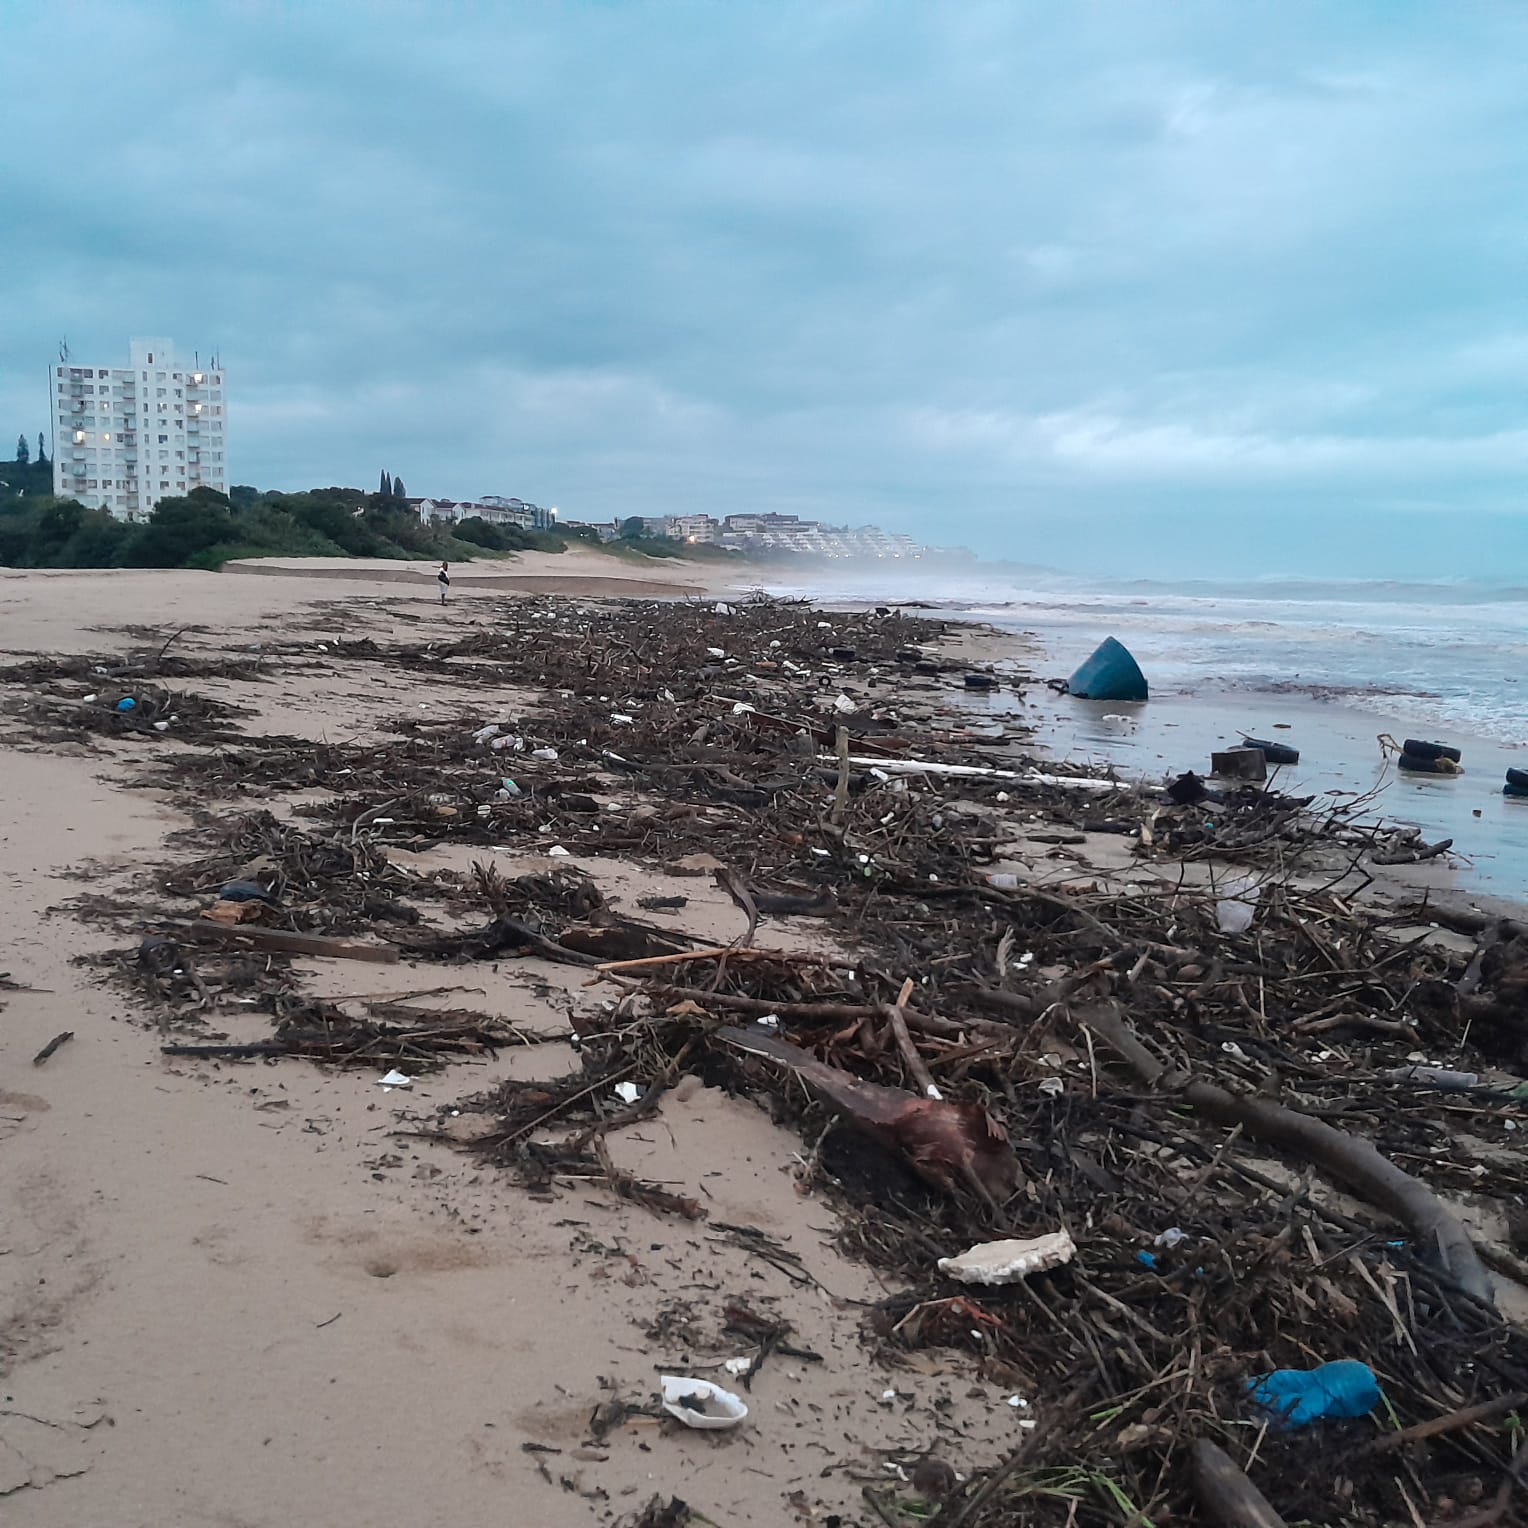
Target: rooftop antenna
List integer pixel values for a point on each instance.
(63, 349)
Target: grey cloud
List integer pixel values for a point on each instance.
(990, 260)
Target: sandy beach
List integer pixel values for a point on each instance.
(229, 1295)
(260, 1292)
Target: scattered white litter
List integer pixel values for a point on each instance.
(620, 719)
(738, 1367)
(627, 1092)
(546, 755)
(722, 609)
(1052, 1087)
(1237, 904)
(1006, 1262)
(558, 852)
(844, 706)
(769, 1021)
(484, 733)
(395, 1079)
(716, 652)
(1171, 1237)
(699, 1403)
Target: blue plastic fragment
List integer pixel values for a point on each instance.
(1298, 1397)
(126, 703)
(1147, 1260)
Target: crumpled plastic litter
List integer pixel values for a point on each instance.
(1331, 1391)
(1237, 905)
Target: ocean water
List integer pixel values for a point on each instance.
(1329, 663)
(1452, 655)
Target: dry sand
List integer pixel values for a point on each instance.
(230, 1296)
(67, 609)
(575, 572)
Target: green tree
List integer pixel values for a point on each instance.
(42, 450)
(178, 528)
(385, 487)
(56, 526)
(23, 450)
(634, 529)
(398, 492)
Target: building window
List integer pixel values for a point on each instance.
(164, 440)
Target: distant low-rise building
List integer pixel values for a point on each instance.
(701, 529)
(492, 507)
(758, 525)
(786, 533)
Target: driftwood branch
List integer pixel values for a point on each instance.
(282, 941)
(1226, 1494)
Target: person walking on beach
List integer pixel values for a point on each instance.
(443, 578)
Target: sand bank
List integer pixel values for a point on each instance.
(576, 572)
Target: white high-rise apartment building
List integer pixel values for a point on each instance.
(126, 437)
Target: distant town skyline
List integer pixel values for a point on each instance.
(1186, 289)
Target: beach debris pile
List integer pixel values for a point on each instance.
(1187, 1098)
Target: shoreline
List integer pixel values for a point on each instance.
(174, 1214)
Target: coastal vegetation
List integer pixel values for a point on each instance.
(205, 529)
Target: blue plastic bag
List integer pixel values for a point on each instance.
(126, 703)
(1299, 1397)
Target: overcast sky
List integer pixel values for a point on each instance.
(1224, 287)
